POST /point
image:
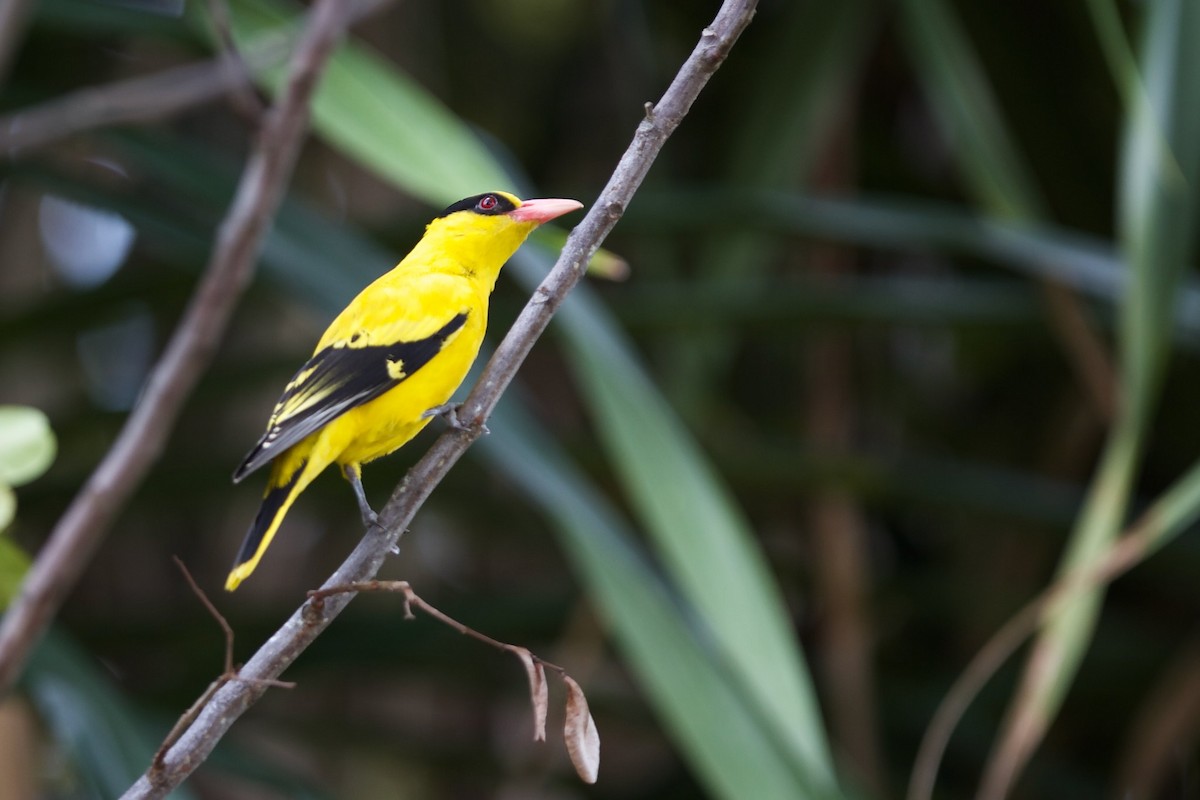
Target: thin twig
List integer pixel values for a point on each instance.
(242, 95)
(306, 624)
(317, 601)
(579, 732)
(145, 98)
(228, 674)
(134, 100)
(144, 435)
(212, 610)
(1136, 544)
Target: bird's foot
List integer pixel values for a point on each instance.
(449, 413)
(370, 519)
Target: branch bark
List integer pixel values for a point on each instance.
(308, 621)
(191, 348)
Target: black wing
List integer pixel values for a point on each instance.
(336, 380)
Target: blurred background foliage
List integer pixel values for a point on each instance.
(843, 417)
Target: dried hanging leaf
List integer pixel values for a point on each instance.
(539, 692)
(583, 741)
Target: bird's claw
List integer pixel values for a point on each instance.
(449, 413)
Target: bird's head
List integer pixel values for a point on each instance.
(495, 222)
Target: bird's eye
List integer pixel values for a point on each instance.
(487, 202)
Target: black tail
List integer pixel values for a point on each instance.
(274, 505)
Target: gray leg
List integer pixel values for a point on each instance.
(369, 517)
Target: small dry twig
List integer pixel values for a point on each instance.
(212, 610)
(535, 666)
(317, 597)
(228, 674)
(305, 625)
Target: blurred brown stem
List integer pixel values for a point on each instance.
(1162, 738)
(1084, 348)
(141, 441)
(1138, 541)
(842, 583)
(305, 625)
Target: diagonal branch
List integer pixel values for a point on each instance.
(147, 98)
(191, 348)
(307, 622)
(134, 100)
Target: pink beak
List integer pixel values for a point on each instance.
(543, 210)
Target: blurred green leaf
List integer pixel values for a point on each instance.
(14, 562)
(694, 680)
(380, 117)
(696, 526)
(1106, 17)
(962, 100)
(1160, 163)
(1160, 167)
(605, 264)
(8, 506)
(27, 444)
(1081, 261)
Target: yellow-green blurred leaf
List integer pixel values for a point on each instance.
(27, 444)
(14, 562)
(8, 505)
(604, 264)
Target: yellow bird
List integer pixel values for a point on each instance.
(389, 360)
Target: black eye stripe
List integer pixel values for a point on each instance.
(503, 206)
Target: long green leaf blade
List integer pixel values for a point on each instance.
(380, 117)
(965, 107)
(708, 546)
(667, 645)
